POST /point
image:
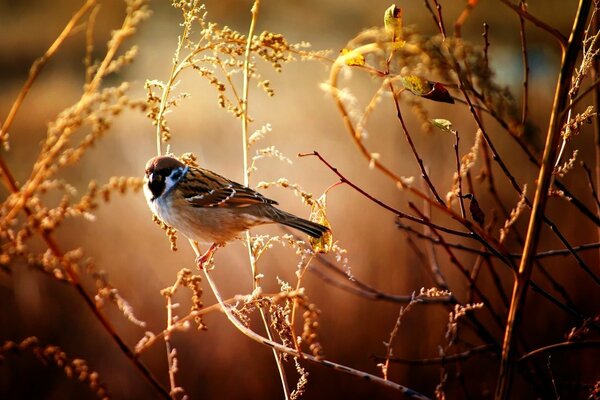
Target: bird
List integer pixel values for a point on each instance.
(209, 208)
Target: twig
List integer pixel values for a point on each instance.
(523, 6)
(583, 344)
(440, 19)
(462, 18)
(72, 274)
(441, 360)
(562, 40)
(541, 195)
(362, 289)
(590, 180)
(454, 260)
(281, 348)
(245, 123)
(39, 64)
(438, 23)
(486, 44)
(398, 213)
(424, 174)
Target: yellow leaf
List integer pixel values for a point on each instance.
(318, 214)
(442, 124)
(416, 84)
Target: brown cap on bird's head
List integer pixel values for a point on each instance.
(159, 163)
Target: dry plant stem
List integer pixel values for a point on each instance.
(245, 135)
(281, 348)
(295, 305)
(454, 260)
(486, 43)
(446, 359)
(541, 195)
(424, 174)
(440, 19)
(596, 76)
(362, 289)
(75, 282)
(460, 190)
(435, 20)
(73, 276)
(462, 18)
(40, 169)
(562, 40)
(580, 344)
(514, 182)
(175, 69)
(475, 232)
(170, 349)
(434, 265)
(39, 64)
(89, 43)
(525, 100)
(492, 189)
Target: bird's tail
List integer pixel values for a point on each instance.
(310, 228)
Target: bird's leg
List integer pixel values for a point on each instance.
(206, 258)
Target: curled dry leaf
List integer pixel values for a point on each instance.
(318, 214)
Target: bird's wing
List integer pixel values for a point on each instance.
(207, 189)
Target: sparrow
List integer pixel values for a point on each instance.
(209, 208)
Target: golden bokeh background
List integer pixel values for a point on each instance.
(123, 241)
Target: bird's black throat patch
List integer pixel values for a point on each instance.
(157, 185)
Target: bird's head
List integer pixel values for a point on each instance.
(162, 174)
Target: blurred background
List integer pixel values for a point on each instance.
(124, 242)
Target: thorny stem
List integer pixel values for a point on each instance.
(39, 64)
(539, 203)
(245, 135)
(284, 349)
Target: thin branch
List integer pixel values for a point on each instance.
(281, 348)
(525, 100)
(462, 18)
(442, 360)
(591, 185)
(424, 173)
(245, 123)
(541, 195)
(39, 64)
(562, 40)
(583, 344)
